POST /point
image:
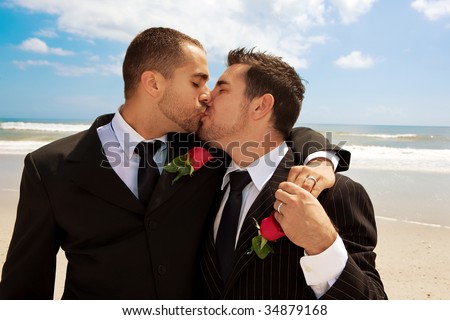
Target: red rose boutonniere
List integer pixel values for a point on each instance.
(188, 163)
(270, 230)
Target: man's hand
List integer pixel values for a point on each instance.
(303, 219)
(316, 176)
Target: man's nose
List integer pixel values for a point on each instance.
(205, 97)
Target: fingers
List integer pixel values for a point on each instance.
(312, 179)
(279, 217)
(289, 187)
(278, 206)
(299, 175)
(294, 173)
(288, 193)
(309, 183)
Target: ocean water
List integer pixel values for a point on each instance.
(403, 148)
(404, 168)
(410, 148)
(20, 136)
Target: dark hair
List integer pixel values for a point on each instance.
(270, 74)
(158, 49)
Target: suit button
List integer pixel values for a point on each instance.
(162, 269)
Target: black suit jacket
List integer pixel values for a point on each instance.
(305, 141)
(116, 249)
(71, 198)
(279, 275)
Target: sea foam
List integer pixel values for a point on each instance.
(402, 159)
(43, 127)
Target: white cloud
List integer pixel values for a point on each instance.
(282, 27)
(114, 67)
(72, 71)
(39, 46)
(24, 64)
(47, 33)
(34, 45)
(59, 51)
(69, 70)
(432, 9)
(351, 10)
(355, 60)
(287, 28)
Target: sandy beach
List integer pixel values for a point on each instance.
(413, 258)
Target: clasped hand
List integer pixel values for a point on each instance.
(302, 217)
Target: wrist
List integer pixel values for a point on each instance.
(319, 162)
(324, 243)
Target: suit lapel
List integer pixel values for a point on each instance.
(90, 169)
(178, 144)
(262, 207)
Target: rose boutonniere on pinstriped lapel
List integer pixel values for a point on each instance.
(270, 230)
(188, 163)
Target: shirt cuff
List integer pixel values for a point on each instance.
(330, 155)
(327, 266)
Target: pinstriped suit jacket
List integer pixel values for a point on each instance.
(279, 275)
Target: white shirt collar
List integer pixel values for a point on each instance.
(262, 169)
(128, 138)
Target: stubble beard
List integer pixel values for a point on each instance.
(220, 135)
(171, 106)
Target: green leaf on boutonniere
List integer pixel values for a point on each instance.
(188, 163)
(261, 247)
(181, 165)
(176, 163)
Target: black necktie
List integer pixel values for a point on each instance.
(148, 172)
(226, 235)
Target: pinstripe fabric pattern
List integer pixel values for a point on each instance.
(279, 275)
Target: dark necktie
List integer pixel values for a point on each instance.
(226, 235)
(148, 172)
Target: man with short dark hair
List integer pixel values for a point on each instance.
(327, 250)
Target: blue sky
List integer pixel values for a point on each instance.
(366, 61)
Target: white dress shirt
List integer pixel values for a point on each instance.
(322, 270)
(119, 139)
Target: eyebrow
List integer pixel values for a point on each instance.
(222, 82)
(201, 75)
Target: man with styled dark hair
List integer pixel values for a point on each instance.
(309, 248)
(261, 78)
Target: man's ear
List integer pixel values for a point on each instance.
(152, 82)
(264, 106)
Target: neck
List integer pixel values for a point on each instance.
(149, 125)
(246, 151)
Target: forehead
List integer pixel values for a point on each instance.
(234, 74)
(196, 64)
